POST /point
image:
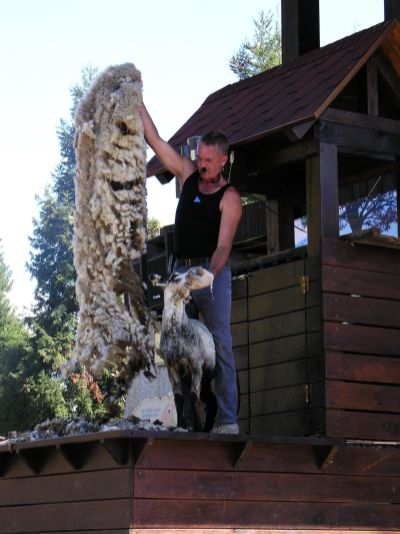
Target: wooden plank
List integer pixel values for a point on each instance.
(285, 349)
(294, 423)
(239, 311)
(198, 514)
(364, 460)
(365, 283)
(362, 368)
(285, 399)
(270, 160)
(241, 531)
(239, 334)
(95, 515)
(277, 302)
(362, 425)
(372, 87)
(357, 256)
(272, 225)
(239, 288)
(276, 277)
(372, 140)
(364, 397)
(241, 357)
(278, 350)
(367, 311)
(279, 375)
(322, 197)
(174, 454)
(361, 339)
(284, 325)
(244, 486)
(350, 460)
(107, 484)
(361, 120)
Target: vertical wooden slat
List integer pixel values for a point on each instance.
(322, 197)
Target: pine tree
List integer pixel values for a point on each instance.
(261, 53)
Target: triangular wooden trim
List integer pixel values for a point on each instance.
(35, 459)
(77, 454)
(361, 62)
(118, 449)
(6, 459)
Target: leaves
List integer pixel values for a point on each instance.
(263, 52)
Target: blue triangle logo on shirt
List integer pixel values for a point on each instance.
(197, 200)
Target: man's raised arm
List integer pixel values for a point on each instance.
(173, 161)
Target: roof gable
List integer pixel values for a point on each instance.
(293, 93)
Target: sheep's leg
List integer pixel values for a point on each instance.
(178, 397)
(209, 399)
(195, 400)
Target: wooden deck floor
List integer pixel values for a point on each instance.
(131, 482)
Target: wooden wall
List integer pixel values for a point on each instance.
(361, 313)
(276, 332)
(164, 480)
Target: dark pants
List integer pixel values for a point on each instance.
(215, 307)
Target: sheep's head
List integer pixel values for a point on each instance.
(180, 284)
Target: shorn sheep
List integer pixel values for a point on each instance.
(187, 347)
(110, 227)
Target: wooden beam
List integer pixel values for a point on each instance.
(386, 69)
(373, 140)
(300, 27)
(392, 9)
(322, 197)
(373, 172)
(272, 225)
(372, 87)
(349, 118)
(286, 223)
(290, 154)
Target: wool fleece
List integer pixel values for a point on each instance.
(110, 227)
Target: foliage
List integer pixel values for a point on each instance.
(153, 228)
(261, 53)
(377, 211)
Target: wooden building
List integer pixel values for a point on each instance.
(316, 328)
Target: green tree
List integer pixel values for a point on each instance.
(262, 52)
(51, 261)
(27, 395)
(153, 228)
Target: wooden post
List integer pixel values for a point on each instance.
(286, 223)
(300, 27)
(372, 87)
(322, 197)
(272, 226)
(392, 9)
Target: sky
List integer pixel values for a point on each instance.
(182, 49)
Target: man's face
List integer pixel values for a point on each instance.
(211, 159)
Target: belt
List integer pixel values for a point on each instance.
(191, 262)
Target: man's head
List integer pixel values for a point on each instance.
(212, 154)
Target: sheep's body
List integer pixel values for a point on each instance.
(110, 226)
(187, 346)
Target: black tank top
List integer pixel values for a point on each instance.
(197, 220)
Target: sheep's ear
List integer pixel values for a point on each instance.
(156, 280)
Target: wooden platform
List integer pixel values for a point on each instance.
(128, 482)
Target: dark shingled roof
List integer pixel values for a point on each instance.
(293, 93)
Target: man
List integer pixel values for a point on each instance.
(207, 217)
